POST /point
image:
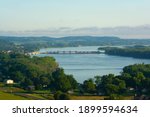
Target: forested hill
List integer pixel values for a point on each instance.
(6, 45)
(133, 51)
(64, 41)
(76, 40)
(35, 43)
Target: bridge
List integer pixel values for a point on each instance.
(72, 52)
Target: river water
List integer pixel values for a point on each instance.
(85, 66)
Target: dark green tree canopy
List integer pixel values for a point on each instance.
(40, 72)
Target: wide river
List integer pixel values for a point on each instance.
(85, 66)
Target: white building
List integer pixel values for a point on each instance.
(9, 81)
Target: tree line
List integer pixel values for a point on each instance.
(133, 81)
(135, 51)
(30, 44)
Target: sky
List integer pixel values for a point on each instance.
(33, 15)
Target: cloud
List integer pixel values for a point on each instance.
(122, 31)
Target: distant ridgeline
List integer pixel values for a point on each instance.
(135, 51)
(6, 45)
(29, 44)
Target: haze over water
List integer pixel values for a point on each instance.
(85, 66)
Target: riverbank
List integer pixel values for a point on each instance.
(141, 52)
(85, 66)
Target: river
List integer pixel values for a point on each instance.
(85, 66)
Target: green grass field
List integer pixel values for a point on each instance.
(9, 96)
(88, 97)
(14, 93)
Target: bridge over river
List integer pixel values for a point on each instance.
(72, 52)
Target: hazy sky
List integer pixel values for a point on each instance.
(17, 15)
(123, 18)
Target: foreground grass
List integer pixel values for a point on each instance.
(14, 93)
(88, 97)
(27, 96)
(11, 90)
(98, 97)
(9, 96)
(31, 96)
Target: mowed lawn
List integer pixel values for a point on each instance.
(9, 96)
(88, 97)
(97, 97)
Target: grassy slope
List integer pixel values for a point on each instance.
(14, 93)
(9, 96)
(88, 97)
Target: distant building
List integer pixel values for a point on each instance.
(9, 81)
(70, 91)
(33, 53)
(131, 89)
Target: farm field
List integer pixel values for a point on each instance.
(9, 96)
